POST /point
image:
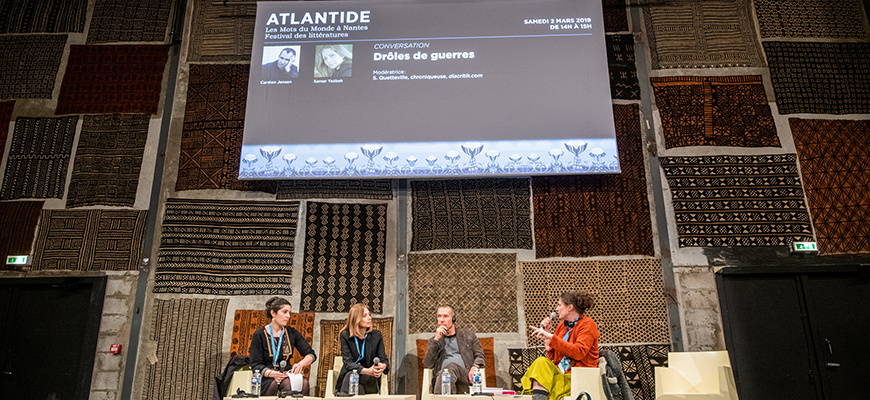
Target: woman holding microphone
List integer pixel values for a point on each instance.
(360, 347)
(275, 343)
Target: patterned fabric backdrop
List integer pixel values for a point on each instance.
(298, 189)
(835, 166)
(629, 296)
(471, 214)
(188, 334)
(246, 322)
(39, 157)
(465, 282)
(820, 78)
(702, 34)
(29, 64)
(108, 160)
(638, 365)
(839, 19)
(615, 18)
(714, 111)
(18, 219)
(331, 348)
(113, 79)
(222, 31)
(600, 215)
(211, 141)
(28, 16)
(737, 200)
(125, 21)
(6, 108)
(487, 343)
(345, 256)
(622, 66)
(226, 247)
(91, 240)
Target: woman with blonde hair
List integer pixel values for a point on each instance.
(333, 61)
(360, 345)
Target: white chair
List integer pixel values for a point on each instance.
(333, 374)
(584, 379)
(696, 376)
(241, 380)
(426, 391)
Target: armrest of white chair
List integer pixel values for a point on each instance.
(241, 380)
(586, 380)
(727, 386)
(330, 384)
(426, 391)
(669, 381)
(385, 386)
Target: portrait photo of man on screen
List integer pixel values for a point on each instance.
(282, 67)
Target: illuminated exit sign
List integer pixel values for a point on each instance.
(804, 247)
(17, 260)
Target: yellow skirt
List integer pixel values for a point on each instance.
(549, 376)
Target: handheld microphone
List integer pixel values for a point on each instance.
(376, 361)
(282, 365)
(553, 316)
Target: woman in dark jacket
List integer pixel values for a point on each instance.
(276, 342)
(360, 345)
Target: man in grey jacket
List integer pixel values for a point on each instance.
(455, 349)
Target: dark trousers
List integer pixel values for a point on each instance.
(367, 384)
(458, 379)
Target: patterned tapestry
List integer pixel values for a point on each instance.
(103, 79)
(345, 256)
(491, 213)
(18, 219)
(38, 158)
(246, 322)
(188, 334)
(839, 19)
(330, 348)
(487, 343)
(726, 201)
(29, 65)
(597, 215)
(615, 18)
(714, 111)
(108, 160)
(211, 141)
(629, 296)
(6, 108)
(28, 16)
(226, 247)
(622, 66)
(299, 189)
(222, 31)
(638, 363)
(125, 21)
(835, 166)
(702, 34)
(464, 281)
(89, 240)
(820, 78)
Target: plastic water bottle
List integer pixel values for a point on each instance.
(255, 383)
(354, 383)
(445, 382)
(476, 382)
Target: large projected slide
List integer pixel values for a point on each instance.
(427, 89)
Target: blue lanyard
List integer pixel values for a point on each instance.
(272, 344)
(566, 362)
(362, 351)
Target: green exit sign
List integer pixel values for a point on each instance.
(17, 260)
(804, 246)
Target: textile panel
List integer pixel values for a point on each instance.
(226, 247)
(38, 158)
(246, 322)
(615, 18)
(331, 348)
(835, 166)
(629, 296)
(222, 31)
(597, 215)
(18, 219)
(125, 21)
(188, 336)
(299, 189)
(108, 160)
(839, 19)
(622, 65)
(89, 240)
(6, 108)
(465, 281)
(714, 111)
(43, 16)
(702, 34)
(345, 255)
(726, 201)
(490, 213)
(29, 64)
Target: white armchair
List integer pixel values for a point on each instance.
(587, 380)
(696, 376)
(333, 374)
(426, 391)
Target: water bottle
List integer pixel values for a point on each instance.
(354, 383)
(476, 382)
(255, 383)
(445, 382)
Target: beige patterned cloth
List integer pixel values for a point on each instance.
(629, 296)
